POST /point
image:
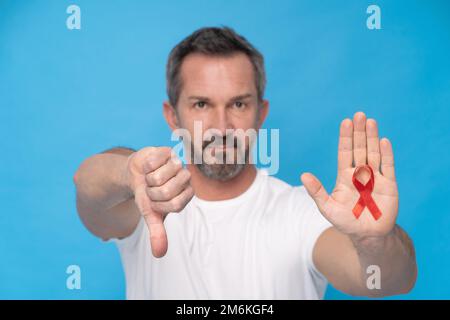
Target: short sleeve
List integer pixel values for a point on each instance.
(132, 240)
(312, 225)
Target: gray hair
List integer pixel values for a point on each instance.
(214, 41)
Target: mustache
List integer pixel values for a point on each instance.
(221, 141)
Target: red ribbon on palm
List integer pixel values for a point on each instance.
(365, 192)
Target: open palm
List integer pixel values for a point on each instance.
(359, 144)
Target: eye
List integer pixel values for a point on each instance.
(200, 104)
(239, 105)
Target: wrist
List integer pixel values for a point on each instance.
(125, 176)
(373, 245)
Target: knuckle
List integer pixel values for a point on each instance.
(185, 175)
(189, 195)
(155, 179)
(149, 192)
(152, 194)
(176, 205)
(164, 192)
(177, 163)
(155, 207)
(190, 191)
(150, 150)
(164, 151)
(148, 179)
(146, 152)
(149, 164)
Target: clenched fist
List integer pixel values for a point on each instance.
(160, 185)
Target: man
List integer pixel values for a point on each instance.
(234, 231)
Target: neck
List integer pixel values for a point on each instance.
(214, 190)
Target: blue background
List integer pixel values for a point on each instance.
(67, 94)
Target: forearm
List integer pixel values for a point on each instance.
(101, 181)
(393, 255)
(105, 202)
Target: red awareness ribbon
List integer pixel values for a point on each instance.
(365, 191)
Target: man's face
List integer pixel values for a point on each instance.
(220, 93)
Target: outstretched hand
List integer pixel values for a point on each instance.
(359, 145)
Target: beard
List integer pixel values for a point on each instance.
(221, 172)
(218, 163)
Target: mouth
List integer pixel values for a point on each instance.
(220, 150)
(223, 147)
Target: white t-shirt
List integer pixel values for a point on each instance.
(255, 246)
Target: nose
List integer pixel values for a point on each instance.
(222, 120)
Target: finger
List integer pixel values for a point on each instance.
(345, 148)
(315, 190)
(165, 172)
(142, 201)
(155, 157)
(171, 188)
(373, 145)
(158, 235)
(154, 222)
(359, 139)
(176, 204)
(387, 159)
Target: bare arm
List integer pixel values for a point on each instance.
(345, 262)
(363, 235)
(118, 186)
(105, 202)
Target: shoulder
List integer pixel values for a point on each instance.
(295, 197)
(293, 205)
(133, 241)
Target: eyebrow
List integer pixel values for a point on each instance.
(239, 97)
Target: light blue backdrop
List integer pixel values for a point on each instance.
(65, 95)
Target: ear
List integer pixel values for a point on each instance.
(171, 115)
(263, 111)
